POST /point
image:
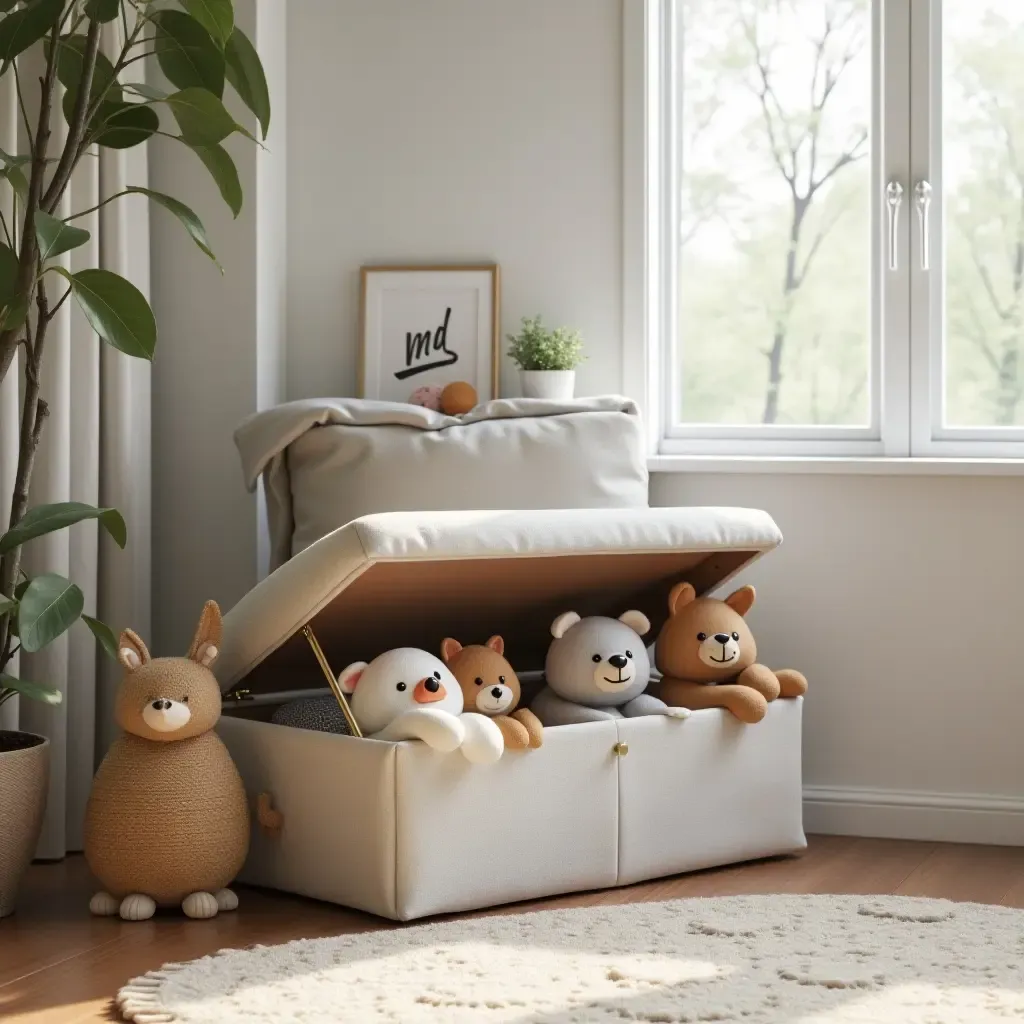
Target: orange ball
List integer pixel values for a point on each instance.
(457, 398)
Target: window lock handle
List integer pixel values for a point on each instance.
(923, 202)
(893, 201)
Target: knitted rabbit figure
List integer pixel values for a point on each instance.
(167, 821)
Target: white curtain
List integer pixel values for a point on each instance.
(96, 449)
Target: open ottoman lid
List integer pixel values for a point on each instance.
(409, 579)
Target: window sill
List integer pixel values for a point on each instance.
(834, 464)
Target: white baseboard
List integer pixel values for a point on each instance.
(905, 814)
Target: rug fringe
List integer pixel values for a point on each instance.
(139, 1000)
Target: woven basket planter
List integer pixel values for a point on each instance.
(24, 777)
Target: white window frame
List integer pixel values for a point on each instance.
(905, 368)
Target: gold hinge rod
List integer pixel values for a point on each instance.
(332, 682)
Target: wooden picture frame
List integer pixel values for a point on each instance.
(429, 324)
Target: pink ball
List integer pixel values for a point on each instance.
(428, 395)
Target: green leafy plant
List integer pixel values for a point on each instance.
(537, 348)
(199, 49)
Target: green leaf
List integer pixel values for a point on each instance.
(117, 311)
(123, 125)
(45, 519)
(216, 16)
(151, 92)
(50, 606)
(192, 224)
(104, 634)
(13, 306)
(6, 604)
(103, 10)
(70, 62)
(16, 176)
(55, 237)
(245, 73)
(25, 26)
(19, 590)
(19, 161)
(30, 689)
(201, 117)
(225, 174)
(187, 54)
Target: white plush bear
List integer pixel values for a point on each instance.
(408, 694)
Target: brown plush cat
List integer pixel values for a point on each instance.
(167, 821)
(491, 687)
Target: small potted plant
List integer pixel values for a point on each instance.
(547, 359)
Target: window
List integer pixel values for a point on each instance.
(833, 224)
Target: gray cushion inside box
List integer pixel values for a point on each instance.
(322, 714)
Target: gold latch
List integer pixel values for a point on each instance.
(620, 749)
(237, 695)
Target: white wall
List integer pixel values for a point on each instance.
(470, 130)
(219, 355)
(900, 597)
(448, 131)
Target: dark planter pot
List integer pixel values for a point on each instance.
(24, 778)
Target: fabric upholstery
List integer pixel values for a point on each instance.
(326, 462)
(405, 832)
(500, 571)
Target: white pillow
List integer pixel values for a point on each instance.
(326, 462)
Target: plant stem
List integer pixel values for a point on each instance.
(35, 409)
(76, 129)
(29, 250)
(93, 209)
(21, 99)
(33, 415)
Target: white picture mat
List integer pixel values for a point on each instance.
(397, 303)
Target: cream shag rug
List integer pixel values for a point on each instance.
(749, 959)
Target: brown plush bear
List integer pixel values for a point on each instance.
(491, 687)
(707, 657)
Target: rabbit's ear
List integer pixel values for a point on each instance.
(131, 651)
(206, 643)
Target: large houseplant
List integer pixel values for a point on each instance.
(546, 358)
(198, 48)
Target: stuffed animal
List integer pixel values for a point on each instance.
(708, 659)
(458, 398)
(491, 687)
(167, 821)
(596, 669)
(428, 396)
(408, 694)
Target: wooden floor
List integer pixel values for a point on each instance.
(58, 965)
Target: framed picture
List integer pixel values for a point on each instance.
(428, 325)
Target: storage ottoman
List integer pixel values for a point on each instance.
(404, 832)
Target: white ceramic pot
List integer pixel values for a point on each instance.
(556, 385)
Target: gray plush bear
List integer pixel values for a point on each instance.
(597, 669)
